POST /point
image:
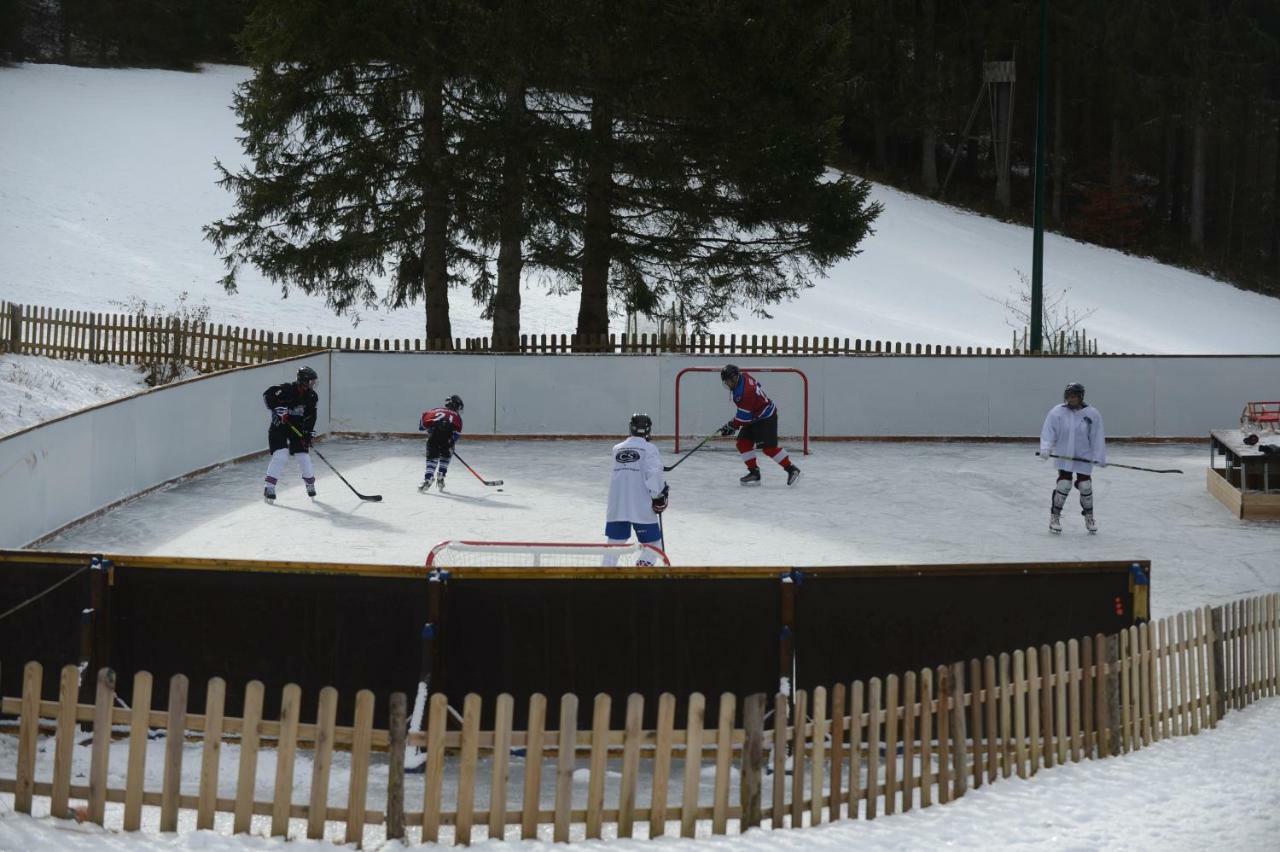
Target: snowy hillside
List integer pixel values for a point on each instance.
(33, 389)
(106, 177)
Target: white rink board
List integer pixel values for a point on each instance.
(53, 474)
(849, 396)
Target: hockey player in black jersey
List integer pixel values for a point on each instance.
(443, 425)
(293, 417)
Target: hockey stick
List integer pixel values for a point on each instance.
(489, 482)
(691, 452)
(372, 498)
(1113, 464)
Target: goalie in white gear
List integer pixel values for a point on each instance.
(1074, 430)
(637, 492)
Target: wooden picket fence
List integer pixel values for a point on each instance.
(135, 339)
(852, 751)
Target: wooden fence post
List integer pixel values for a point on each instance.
(397, 730)
(752, 759)
(1215, 620)
(173, 741)
(28, 729)
(1109, 724)
(102, 744)
(15, 329)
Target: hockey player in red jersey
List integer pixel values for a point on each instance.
(443, 425)
(757, 418)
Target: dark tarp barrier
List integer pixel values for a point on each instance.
(522, 631)
(858, 623)
(642, 633)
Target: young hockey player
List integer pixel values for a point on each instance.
(637, 493)
(757, 417)
(293, 417)
(443, 425)
(1073, 429)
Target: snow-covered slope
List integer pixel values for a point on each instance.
(34, 389)
(106, 177)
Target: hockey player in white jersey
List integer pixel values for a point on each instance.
(1074, 430)
(637, 492)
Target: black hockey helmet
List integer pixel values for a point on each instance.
(1073, 387)
(453, 402)
(729, 375)
(306, 374)
(641, 425)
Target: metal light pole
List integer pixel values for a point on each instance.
(1037, 243)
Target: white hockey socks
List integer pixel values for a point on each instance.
(275, 467)
(611, 558)
(304, 465)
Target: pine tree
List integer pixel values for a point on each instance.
(348, 136)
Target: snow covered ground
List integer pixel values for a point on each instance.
(34, 389)
(1217, 790)
(92, 219)
(89, 219)
(855, 504)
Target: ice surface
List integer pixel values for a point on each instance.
(858, 503)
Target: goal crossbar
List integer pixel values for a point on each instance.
(453, 553)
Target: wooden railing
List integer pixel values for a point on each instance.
(136, 339)
(851, 751)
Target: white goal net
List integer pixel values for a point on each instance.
(539, 554)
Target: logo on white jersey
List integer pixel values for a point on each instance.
(627, 456)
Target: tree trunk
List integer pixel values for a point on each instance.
(1059, 158)
(593, 309)
(435, 270)
(1177, 210)
(929, 160)
(506, 300)
(1275, 208)
(927, 61)
(1116, 171)
(1197, 182)
(881, 136)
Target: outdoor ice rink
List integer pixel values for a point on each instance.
(857, 503)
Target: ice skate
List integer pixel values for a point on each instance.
(1055, 523)
(440, 483)
(426, 485)
(311, 489)
(793, 474)
(752, 477)
(1090, 524)
(269, 494)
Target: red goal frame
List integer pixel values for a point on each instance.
(803, 378)
(551, 547)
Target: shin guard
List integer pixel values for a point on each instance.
(1060, 491)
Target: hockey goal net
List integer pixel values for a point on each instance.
(703, 405)
(542, 554)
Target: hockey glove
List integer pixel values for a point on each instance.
(279, 416)
(306, 439)
(1043, 455)
(728, 429)
(659, 505)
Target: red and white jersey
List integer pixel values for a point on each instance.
(753, 403)
(438, 417)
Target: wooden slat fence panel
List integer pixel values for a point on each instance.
(1019, 713)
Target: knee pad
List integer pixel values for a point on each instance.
(1086, 495)
(1060, 491)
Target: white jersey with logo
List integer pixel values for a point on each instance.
(1074, 432)
(637, 480)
